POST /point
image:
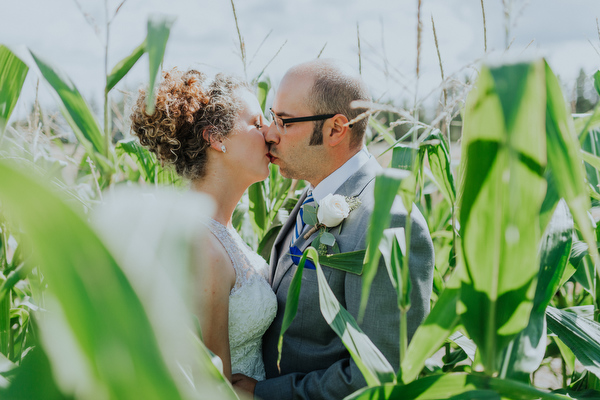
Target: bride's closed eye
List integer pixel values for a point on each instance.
(258, 123)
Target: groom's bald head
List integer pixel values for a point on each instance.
(334, 86)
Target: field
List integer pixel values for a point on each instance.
(96, 240)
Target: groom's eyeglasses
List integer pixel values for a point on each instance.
(281, 122)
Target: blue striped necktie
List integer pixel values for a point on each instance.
(299, 218)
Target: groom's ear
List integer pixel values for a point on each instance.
(336, 129)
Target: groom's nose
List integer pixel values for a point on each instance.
(272, 134)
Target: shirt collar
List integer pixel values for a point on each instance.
(332, 182)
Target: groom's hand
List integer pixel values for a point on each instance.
(244, 383)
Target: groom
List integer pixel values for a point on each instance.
(311, 139)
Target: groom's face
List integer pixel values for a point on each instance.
(291, 149)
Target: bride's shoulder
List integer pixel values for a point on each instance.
(214, 262)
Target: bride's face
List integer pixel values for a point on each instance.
(246, 146)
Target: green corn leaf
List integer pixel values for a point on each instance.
(159, 28)
(591, 159)
(145, 160)
(590, 150)
(529, 347)
(393, 249)
(578, 260)
(13, 72)
(5, 305)
(586, 122)
(566, 354)
(262, 93)
(393, 256)
(404, 157)
(351, 261)
(456, 384)
(153, 237)
(238, 216)
(77, 113)
(502, 192)
(123, 67)
(580, 334)
(564, 160)
(373, 365)
(387, 184)
(550, 201)
(278, 191)
(555, 250)
(433, 332)
(6, 368)
(14, 277)
(597, 81)
(266, 243)
(465, 344)
(584, 275)
(33, 379)
(439, 162)
(371, 362)
(383, 131)
(258, 207)
(96, 298)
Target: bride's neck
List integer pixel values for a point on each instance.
(225, 193)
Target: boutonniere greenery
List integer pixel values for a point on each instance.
(331, 211)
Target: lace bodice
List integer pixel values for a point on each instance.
(252, 303)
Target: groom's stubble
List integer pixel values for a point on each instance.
(303, 163)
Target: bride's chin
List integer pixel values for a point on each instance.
(267, 170)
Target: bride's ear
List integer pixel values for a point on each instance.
(214, 144)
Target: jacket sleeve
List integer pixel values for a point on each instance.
(336, 382)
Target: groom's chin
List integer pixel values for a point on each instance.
(284, 172)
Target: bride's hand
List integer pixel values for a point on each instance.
(243, 383)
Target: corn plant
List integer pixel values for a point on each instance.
(521, 155)
(516, 252)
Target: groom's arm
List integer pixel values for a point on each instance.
(336, 382)
(380, 323)
(344, 377)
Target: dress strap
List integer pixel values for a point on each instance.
(236, 255)
(221, 232)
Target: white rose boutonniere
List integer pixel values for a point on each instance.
(331, 211)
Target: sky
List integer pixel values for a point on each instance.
(72, 35)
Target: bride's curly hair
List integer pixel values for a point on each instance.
(188, 114)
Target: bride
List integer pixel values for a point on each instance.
(213, 135)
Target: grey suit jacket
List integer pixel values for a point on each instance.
(314, 363)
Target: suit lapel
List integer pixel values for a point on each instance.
(281, 262)
(356, 183)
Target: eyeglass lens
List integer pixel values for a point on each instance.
(278, 122)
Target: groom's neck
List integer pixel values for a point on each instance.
(336, 161)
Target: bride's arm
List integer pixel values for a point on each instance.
(214, 281)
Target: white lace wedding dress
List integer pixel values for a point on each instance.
(252, 303)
